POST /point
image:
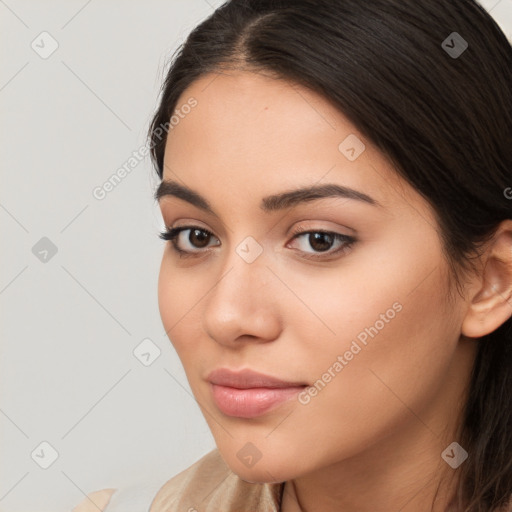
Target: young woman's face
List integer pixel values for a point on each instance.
(342, 295)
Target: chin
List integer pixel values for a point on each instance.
(264, 472)
(260, 478)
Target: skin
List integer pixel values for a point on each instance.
(372, 438)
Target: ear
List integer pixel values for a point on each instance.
(491, 304)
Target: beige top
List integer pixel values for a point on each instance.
(209, 485)
(206, 486)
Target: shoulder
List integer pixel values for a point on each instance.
(209, 485)
(95, 501)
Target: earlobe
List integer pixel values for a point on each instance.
(491, 306)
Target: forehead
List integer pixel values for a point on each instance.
(250, 108)
(256, 134)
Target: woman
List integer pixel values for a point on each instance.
(336, 185)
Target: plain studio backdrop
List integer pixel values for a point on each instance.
(92, 394)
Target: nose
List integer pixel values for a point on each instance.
(243, 304)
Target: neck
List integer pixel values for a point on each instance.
(408, 478)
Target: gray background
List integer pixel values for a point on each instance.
(71, 322)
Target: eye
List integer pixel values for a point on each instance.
(324, 243)
(197, 238)
(192, 240)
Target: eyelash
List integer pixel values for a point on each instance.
(171, 235)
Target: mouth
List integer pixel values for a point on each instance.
(249, 394)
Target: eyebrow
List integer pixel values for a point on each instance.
(275, 202)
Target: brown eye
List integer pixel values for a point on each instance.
(320, 241)
(313, 243)
(199, 237)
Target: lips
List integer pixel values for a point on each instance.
(246, 379)
(248, 394)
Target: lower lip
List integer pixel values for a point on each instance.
(250, 403)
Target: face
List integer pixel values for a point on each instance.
(342, 296)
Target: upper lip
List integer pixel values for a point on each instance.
(246, 379)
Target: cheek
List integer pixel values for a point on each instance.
(180, 310)
(389, 298)
(389, 347)
(177, 301)
(382, 334)
(167, 294)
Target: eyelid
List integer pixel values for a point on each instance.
(179, 215)
(327, 226)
